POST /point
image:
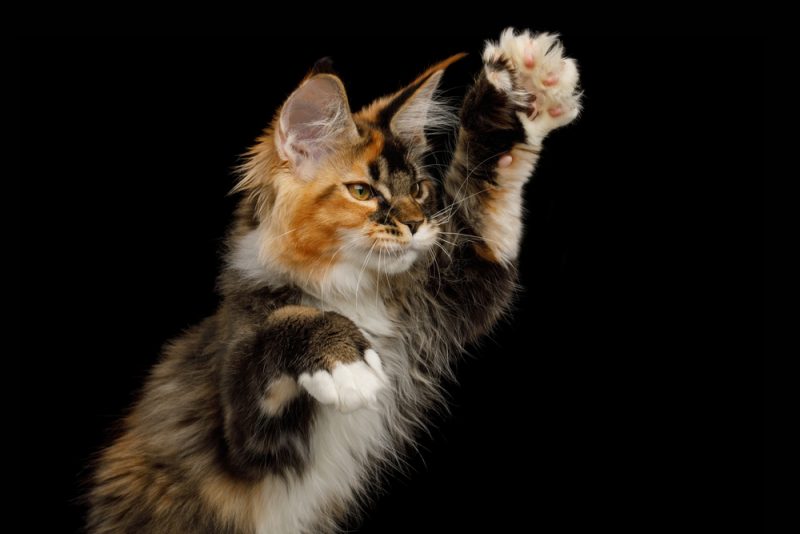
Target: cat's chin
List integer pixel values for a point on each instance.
(398, 263)
(391, 261)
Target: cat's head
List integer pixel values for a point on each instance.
(329, 187)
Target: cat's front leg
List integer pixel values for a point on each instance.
(527, 89)
(342, 372)
(275, 375)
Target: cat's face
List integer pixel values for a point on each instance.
(347, 189)
(372, 207)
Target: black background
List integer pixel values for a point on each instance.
(624, 391)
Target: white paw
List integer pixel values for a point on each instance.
(348, 386)
(534, 72)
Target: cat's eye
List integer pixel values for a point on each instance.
(360, 191)
(419, 190)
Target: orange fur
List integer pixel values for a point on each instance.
(317, 213)
(370, 113)
(439, 66)
(312, 213)
(232, 499)
(282, 390)
(128, 471)
(374, 148)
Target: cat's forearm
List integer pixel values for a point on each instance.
(262, 398)
(482, 220)
(268, 372)
(493, 160)
(525, 90)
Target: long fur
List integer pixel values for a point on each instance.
(278, 413)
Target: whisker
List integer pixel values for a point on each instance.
(466, 178)
(389, 284)
(443, 250)
(361, 273)
(470, 237)
(454, 205)
(349, 243)
(286, 233)
(438, 271)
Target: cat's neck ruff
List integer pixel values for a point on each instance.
(345, 287)
(353, 291)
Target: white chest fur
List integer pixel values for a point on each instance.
(342, 444)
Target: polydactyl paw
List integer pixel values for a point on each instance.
(532, 70)
(348, 386)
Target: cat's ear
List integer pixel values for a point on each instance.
(314, 122)
(415, 108)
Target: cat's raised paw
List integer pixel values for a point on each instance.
(348, 386)
(531, 69)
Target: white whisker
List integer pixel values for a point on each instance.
(361, 273)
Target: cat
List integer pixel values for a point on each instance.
(352, 283)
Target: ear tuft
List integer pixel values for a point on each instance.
(314, 122)
(421, 110)
(323, 65)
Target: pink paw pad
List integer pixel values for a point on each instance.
(505, 161)
(528, 60)
(556, 111)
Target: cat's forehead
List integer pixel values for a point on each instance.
(387, 159)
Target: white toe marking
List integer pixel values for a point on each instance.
(370, 383)
(500, 79)
(374, 361)
(321, 386)
(349, 386)
(350, 397)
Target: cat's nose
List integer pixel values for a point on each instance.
(414, 224)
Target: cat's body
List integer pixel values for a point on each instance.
(275, 414)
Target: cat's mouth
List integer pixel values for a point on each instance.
(395, 256)
(390, 256)
(389, 252)
(396, 260)
(393, 246)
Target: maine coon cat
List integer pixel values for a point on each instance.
(352, 282)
